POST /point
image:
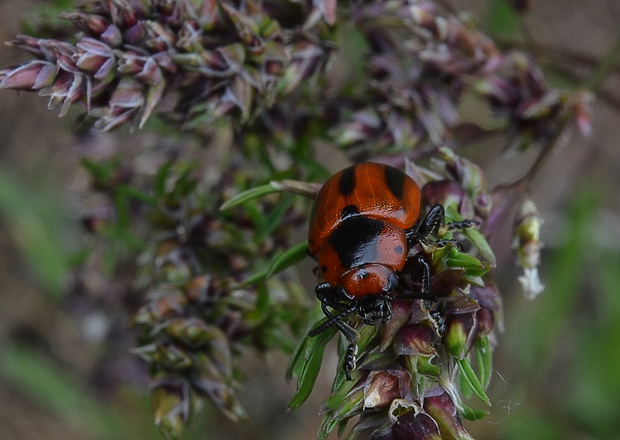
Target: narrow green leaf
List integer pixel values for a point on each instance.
(461, 260)
(310, 367)
(160, 178)
(274, 217)
(484, 357)
(296, 360)
(257, 277)
(287, 258)
(472, 380)
(246, 196)
(135, 193)
(279, 263)
(261, 309)
(481, 243)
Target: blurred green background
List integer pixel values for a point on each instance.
(557, 362)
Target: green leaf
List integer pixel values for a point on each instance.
(100, 172)
(308, 366)
(274, 217)
(160, 178)
(280, 262)
(261, 309)
(484, 357)
(288, 258)
(246, 196)
(481, 243)
(135, 193)
(472, 380)
(461, 260)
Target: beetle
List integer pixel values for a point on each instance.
(364, 222)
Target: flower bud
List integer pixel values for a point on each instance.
(443, 410)
(382, 387)
(33, 75)
(449, 194)
(461, 335)
(411, 423)
(469, 175)
(526, 246)
(415, 339)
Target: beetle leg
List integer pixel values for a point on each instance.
(463, 224)
(426, 277)
(432, 223)
(330, 297)
(349, 360)
(435, 223)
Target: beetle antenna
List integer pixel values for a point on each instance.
(331, 321)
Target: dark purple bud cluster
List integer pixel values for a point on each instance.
(194, 62)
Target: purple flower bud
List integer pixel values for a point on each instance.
(382, 387)
(443, 410)
(487, 296)
(135, 34)
(92, 54)
(465, 172)
(447, 193)
(31, 45)
(112, 36)
(92, 24)
(33, 75)
(129, 94)
(416, 339)
(150, 73)
(411, 423)
(486, 320)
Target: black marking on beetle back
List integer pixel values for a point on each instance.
(355, 240)
(346, 185)
(324, 268)
(399, 250)
(349, 211)
(395, 181)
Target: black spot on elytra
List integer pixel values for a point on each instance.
(324, 269)
(395, 181)
(346, 185)
(355, 240)
(399, 250)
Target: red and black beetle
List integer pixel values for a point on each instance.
(364, 221)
